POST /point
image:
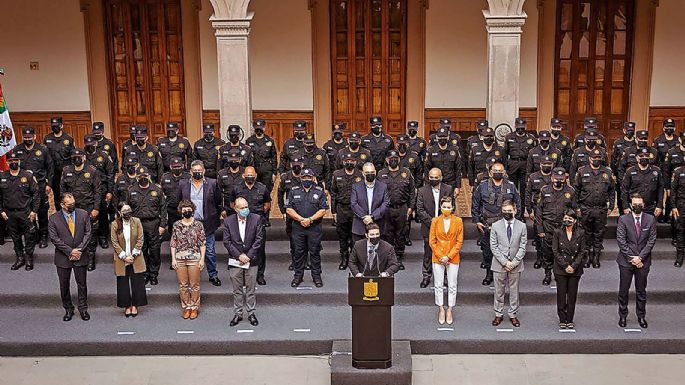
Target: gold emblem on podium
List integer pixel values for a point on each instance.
(371, 291)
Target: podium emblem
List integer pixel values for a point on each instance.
(371, 291)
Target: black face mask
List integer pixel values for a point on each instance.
(489, 140)
(590, 143)
(354, 145)
(187, 214)
(171, 134)
(250, 179)
(140, 142)
(234, 139)
(393, 163)
(337, 136)
(375, 240)
(78, 161)
(642, 143)
(413, 132)
(556, 132)
(297, 169)
(568, 223)
(637, 209)
(131, 170)
(376, 130)
(234, 164)
(98, 137)
(402, 148)
(508, 216)
(498, 176)
(546, 169)
(90, 149)
(442, 142)
(558, 183)
(176, 171)
(143, 182)
(349, 166)
(669, 131)
(29, 142)
(520, 130)
(630, 135)
(259, 131)
(309, 148)
(370, 177)
(209, 137)
(56, 129)
(126, 216)
(299, 135)
(70, 208)
(595, 162)
(434, 182)
(544, 143)
(643, 161)
(14, 166)
(197, 175)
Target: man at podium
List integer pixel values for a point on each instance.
(373, 257)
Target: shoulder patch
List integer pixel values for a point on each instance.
(39, 153)
(86, 175)
(181, 145)
(567, 195)
(319, 157)
(150, 154)
(529, 141)
(66, 142)
(362, 156)
(106, 147)
(153, 193)
(24, 179)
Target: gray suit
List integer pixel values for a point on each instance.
(503, 251)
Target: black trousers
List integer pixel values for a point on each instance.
(567, 292)
(43, 210)
(395, 227)
(64, 275)
(485, 248)
(680, 230)
(307, 239)
(104, 220)
(357, 237)
(266, 177)
(55, 185)
(427, 267)
(172, 217)
(619, 201)
(594, 220)
(262, 250)
(131, 289)
(625, 281)
(547, 253)
(151, 246)
(18, 225)
(517, 175)
(343, 229)
(93, 242)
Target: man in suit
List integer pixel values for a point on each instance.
(428, 207)
(508, 238)
(635, 235)
(70, 232)
(243, 239)
(369, 201)
(373, 257)
(206, 196)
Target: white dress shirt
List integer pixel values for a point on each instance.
(126, 230)
(242, 223)
(369, 194)
(436, 199)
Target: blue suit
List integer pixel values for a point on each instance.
(360, 206)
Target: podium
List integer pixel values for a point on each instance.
(371, 299)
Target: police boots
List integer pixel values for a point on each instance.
(538, 260)
(548, 278)
(43, 241)
(344, 259)
(680, 253)
(487, 281)
(19, 262)
(589, 257)
(29, 262)
(595, 258)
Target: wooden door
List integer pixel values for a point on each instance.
(594, 45)
(145, 65)
(369, 59)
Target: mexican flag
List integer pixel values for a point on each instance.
(7, 138)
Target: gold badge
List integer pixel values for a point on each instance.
(38, 153)
(66, 142)
(529, 141)
(150, 154)
(454, 141)
(554, 156)
(567, 195)
(497, 152)
(23, 179)
(318, 157)
(357, 179)
(153, 193)
(181, 145)
(86, 175)
(563, 142)
(106, 147)
(99, 159)
(411, 160)
(421, 144)
(605, 176)
(363, 156)
(371, 291)
(404, 174)
(596, 151)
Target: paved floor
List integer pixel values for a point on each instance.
(307, 370)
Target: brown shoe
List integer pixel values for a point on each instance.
(193, 314)
(186, 314)
(497, 321)
(515, 322)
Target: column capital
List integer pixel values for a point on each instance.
(504, 24)
(231, 28)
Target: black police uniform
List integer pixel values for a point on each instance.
(629, 159)
(131, 141)
(401, 197)
(536, 155)
(581, 157)
(286, 183)
(256, 196)
(179, 148)
(208, 152)
(595, 195)
(105, 144)
(121, 185)
(226, 179)
(265, 159)
(646, 182)
(563, 144)
(246, 158)
(516, 148)
(307, 239)
(361, 155)
(169, 185)
(149, 157)
(378, 145)
(448, 159)
(618, 149)
(19, 196)
(677, 198)
(60, 149)
(292, 146)
(105, 167)
(477, 159)
(317, 161)
(674, 159)
(536, 181)
(663, 144)
(416, 143)
(341, 192)
(334, 145)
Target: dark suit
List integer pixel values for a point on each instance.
(384, 262)
(568, 252)
(244, 280)
(210, 213)
(425, 211)
(360, 206)
(64, 242)
(629, 245)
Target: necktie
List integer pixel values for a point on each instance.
(509, 232)
(638, 227)
(369, 258)
(72, 228)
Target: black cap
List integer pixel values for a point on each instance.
(482, 125)
(89, 139)
(376, 120)
(309, 139)
(234, 129)
(595, 154)
(402, 138)
(98, 128)
(591, 134)
(488, 132)
(348, 156)
(629, 125)
(77, 152)
(300, 125)
(131, 161)
(559, 173)
(644, 151)
(392, 154)
(307, 172)
(56, 121)
(669, 122)
(132, 129)
(298, 160)
(556, 122)
(259, 123)
(141, 132)
(520, 122)
(547, 159)
(446, 122)
(208, 128)
(544, 134)
(355, 136)
(15, 154)
(339, 127)
(176, 163)
(490, 161)
(142, 170)
(172, 126)
(413, 124)
(442, 132)
(590, 122)
(643, 134)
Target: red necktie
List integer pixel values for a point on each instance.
(638, 228)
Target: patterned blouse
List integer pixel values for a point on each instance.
(187, 239)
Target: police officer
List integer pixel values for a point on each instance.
(316, 160)
(542, 150)
(258, 199)
(105, 144)
(377, 142)
(410, 159)
(60, 145)
(149, 205)
(589, 124)
(125, 180)
(416, 143)
(517, 145)
(618, 149)
(287, 181)
(103, 164)
(84, 182)
(229, 177)
(174, 146)
(359, 153)
(333, 146)
(536, 181)
(234, 133)
(561, 143)
(401, 201)
(341, 191)
(147, 154)
(581, 155)
(555, 199)
(644, 179)
(19, 202)
(595, 194)
(36, 158)
(663, 143)
(488, 148)
(475, 140)
(292, 146)
(306, 206)
(677, 198)
(207, 148)
(446, 157)
(674, 159)
(629, 158)
(264, 156)
(131, 141)
(454, 138)
(169, 186)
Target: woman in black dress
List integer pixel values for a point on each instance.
(568, 245)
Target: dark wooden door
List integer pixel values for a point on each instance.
(368, 56)
(594, 45)
(145, 65)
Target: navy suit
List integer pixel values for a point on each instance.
(360, 206)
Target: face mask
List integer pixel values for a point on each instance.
(78, 161)
(370, 177)
(446, 212)
(354, 145)
(489, 140)
(556, 132)
(171, 134)
(643, 161)
(70, 208)
(596, 162)
(337, 136)
(143, 182)
(546, 169)
(637, 209)
(98, 137)
(309, 148)
(259, 131)
(234, 164)
(29, 142)
(126, 216)
(669, 131)
(209, 137)
(197, 175)
(90, 149)
(544, 143)
(250, 179)
(508, 216)
(376, 130)
(520, 130)
(590, 143)
(393, 163)
(131, 170)
(568, 223)
(132, 136)
(297, 169)
(234, 139)
(14, 166)
(498, 176)
(642, 143)
(442, 142)
(434, 182)
(402, 148)
(374, 240)
(307, 184)
(349, 166)
(56, 129)
(177, 171)
(558, 183)
(140, 142)
(630, 134)
(413, 132)
(187, 214)
(244, 212)
(300, 135)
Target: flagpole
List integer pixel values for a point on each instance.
(3, 159)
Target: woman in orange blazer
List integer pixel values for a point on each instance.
(446, 238)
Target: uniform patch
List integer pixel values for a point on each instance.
(454, 141)
(269, 144)
(421, 144)
(38, 153)
(411, 160)
(153, 193)
(529, 141)
(86, 175)
(605, 176)
(596, 151)
(497, 152)
(316, 196)
(23, 179)
(404, 174)
(217, 147)
(150, 154)
(362, 156)
(453, 153)
(563, 142)
(319, 157)
(181, 145)
(100, 159)
(567, 195)
(107, 147)
(66, 142)
(357, 179)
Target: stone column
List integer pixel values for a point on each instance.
(504, 21)
(232, 24)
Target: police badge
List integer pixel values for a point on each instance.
(106, 147)
(318, 157)
(153, 193)
(23, 179)
(66, 142)
(86, 175)
(181, 145)
(150, 154)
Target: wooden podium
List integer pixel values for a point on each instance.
(371, 299)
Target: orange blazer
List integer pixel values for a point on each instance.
(446, 243)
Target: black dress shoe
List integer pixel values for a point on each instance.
(153, 281)
(91, 266)
(267, 223)
(318, 282)
(214, 280)
(622, 322)
(253, 320)
(103, 243)
(538, 265)
(487, 281)
(236, 320)
(307, 266)
(586, 265)
(261, 281)
(407, 242)
(147, 279)
(68, 315)
(84, 315)
(18, 263)
(43, 242)
(425, 282)
(482, 265)
(642, 322)
(296, 282)
(2, 241)
(678, 263)
(547, 280)
(290, 267)
(401, 265)
(342, 265)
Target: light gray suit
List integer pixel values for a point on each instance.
(503, 251)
